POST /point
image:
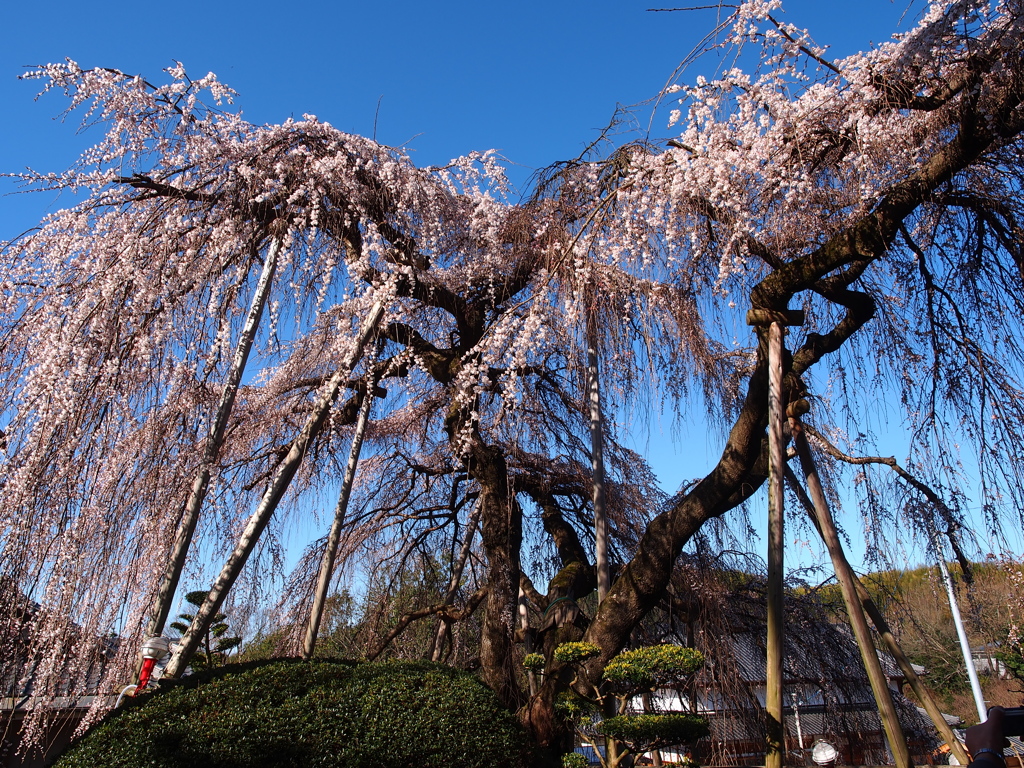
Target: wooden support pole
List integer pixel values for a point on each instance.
(854, 608)
(601, 565)
(891, 644)
(282, 478)
(776, 744)
(211, 449)
(323, 580)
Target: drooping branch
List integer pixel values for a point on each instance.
(951, 520)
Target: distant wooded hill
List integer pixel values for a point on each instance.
(991, 599)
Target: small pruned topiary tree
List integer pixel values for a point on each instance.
(628, 675)
(215, 643)
(324, 713)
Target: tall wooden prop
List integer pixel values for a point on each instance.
(282, 478)
(891, 645)
(190, 516)
(854, 609)
(323, 580)
(597, 457)
(776, 550)
(776, 322)
(601, 565)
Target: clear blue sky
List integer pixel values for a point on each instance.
(534, 80)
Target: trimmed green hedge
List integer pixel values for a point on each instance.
(321, 713)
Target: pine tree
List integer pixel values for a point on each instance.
(216, 643)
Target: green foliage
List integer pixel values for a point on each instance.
(533, 662)
(573, 653)
(574, 760)
(653, 665)
(626, 675)
(322, 713)
(571, 706)
(215, 643)
(643, 732)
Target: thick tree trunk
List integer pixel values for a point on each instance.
(741, 469)
(190, 516)
(502, 538)
(268, 504)
(597, 458)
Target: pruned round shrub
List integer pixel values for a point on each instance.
(644, 732)
(533, 662)
(310, 713)
(653, 664)
(575, 652)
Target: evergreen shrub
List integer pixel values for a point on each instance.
(324, 713)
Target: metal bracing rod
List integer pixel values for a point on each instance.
(961, 631)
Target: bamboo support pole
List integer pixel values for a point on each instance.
(323, 580)
(268, 504)
(854, 608)
(197, 494)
